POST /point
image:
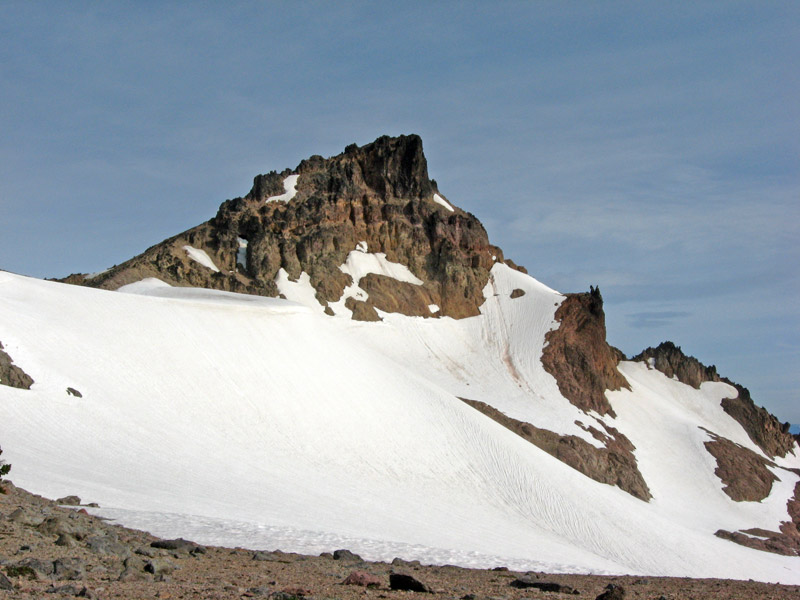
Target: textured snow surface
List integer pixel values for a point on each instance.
(261, 422)
(441, 201)
(200, 256)
(290, 190)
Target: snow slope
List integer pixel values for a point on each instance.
(265, 423)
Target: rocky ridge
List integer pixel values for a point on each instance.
(764, 429)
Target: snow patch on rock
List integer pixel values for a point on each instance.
(442, 202)
(290, 187)
(200, 256)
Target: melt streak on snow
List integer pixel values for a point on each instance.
(260, 422)
(290, 187)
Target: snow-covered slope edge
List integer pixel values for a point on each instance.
(262, 414)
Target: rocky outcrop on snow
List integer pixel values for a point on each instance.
(744, 473)
(377, 196)
(578, 356)
(614, 464)
(764, 429)
(670, 360)
(11, 374)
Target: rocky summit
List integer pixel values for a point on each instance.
(377, 197)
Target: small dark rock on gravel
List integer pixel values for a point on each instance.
(406, 582)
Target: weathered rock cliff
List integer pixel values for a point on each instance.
(578, 356)
(379, 194)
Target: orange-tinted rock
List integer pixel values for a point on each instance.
(578, 356)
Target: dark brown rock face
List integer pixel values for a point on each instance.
(11, 375)
(764, 429)
(614, 465)
(379, 193)
(579, 357)
(744, 473)
(670, 360)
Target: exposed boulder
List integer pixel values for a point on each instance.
(11, 375)
(578, 356)
(529, 582)
(612, 592)
(346, 555)
(179, 545)
(406, 582)
(31, 569)
(69, 501)
(159, 567)
(108, 545)
(69, 568)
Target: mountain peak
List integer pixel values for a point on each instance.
(392, 167)
(307, 221)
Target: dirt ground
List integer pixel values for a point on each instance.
(48, 551)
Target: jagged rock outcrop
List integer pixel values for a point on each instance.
(764, 429)
(670, 360)
(578, 356)
(379, 193)
(614, 465)
(744, 473)
(10, 374)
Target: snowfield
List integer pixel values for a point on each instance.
(264, 423)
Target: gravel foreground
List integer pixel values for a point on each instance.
(48, 551)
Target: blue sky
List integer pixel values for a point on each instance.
(650, 148)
